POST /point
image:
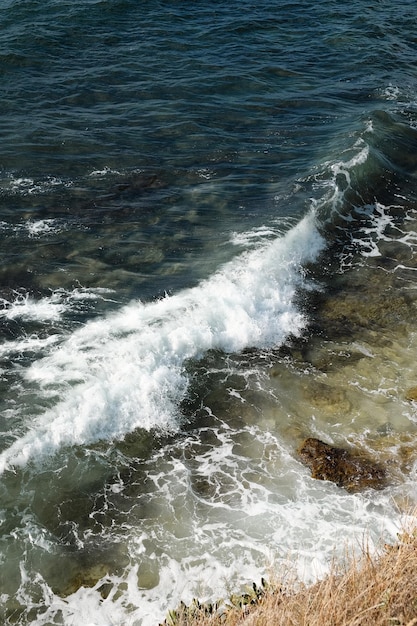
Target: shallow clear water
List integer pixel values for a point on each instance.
(208, 231)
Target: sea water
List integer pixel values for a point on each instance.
(208, 253)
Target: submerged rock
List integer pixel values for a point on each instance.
(411, 394)
(327, 398)
(89, 577)
(348, 470)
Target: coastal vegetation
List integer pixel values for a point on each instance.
(370, 590)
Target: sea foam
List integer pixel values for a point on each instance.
(127, 370)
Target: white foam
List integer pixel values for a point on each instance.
(103, 172)
(31, 343)
(381, 223)
(28, 186)
(392, 92)
(127, 371)
(230, 546)
(340, 180)
(48, 308)
(36, 228)
(258, 236)
(343, 168)
(26, 308)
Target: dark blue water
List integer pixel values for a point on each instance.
(207, 223)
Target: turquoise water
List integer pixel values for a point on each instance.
(207, 222)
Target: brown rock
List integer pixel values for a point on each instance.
(411, 394)
(348, 470)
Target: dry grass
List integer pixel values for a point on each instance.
(374, 591)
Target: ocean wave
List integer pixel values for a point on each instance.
(126, 371)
